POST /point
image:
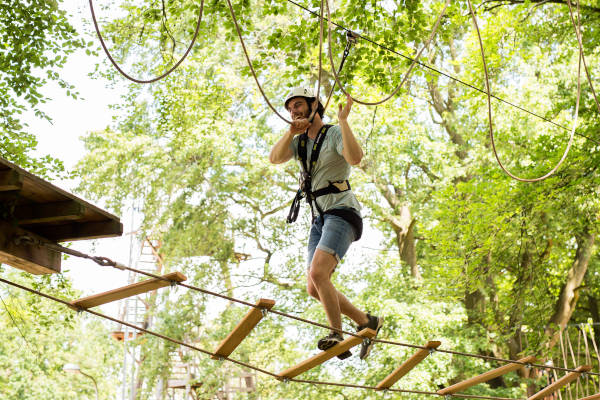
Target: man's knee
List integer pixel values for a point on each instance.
(322, 266)
(312, 290)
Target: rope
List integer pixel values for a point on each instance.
(442, 73)
(136, 80)
(106, 262)
(489, 101)
(406, 75)
(578, 34)
(239, 32)
(209, 353)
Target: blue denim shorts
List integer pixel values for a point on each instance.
(334, 236)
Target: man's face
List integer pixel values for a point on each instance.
(298, 108)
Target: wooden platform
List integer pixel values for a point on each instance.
(127, 291)
(323, 356)
(242, 329)
(30, 205)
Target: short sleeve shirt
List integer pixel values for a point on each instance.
(331, 166)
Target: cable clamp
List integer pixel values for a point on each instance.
(120, 266)
(264, 312)
(286, 380)
(367, 341)
(583, 375)
(103, 261)
(528, 365)
(351, 37)
(173, 283)
(431, 350)
(25, 239)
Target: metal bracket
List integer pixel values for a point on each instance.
(264, 312)
(432, 350)
(367, 341)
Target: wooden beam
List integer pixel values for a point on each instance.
(127, 291)
(242, 329)
(320, 358)
(592, 397)
(407, 365)
(79, 231)
(10, 180)
(28, 257)
(503, 370)
(553, 387)
(49, 212)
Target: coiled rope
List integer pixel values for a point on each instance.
(136, 80)
(489, 103)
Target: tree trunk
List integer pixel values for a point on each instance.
(567, 300)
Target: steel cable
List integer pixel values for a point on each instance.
(106, 262)
(406, 75)
(247, 365)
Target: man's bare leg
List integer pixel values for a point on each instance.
(320, 287)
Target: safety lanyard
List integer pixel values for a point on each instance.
(316, 149)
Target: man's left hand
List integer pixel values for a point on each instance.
(344, 111)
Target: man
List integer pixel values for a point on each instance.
(326, 153)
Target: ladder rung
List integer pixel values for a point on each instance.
(503, 370)
(128, 291)
(553, 387)
(242, 329)
(407, 365)
(320, 358)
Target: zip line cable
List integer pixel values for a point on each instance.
(192, 347)
(107, 262)
(489, 103)
(445, 74)
(136, 80)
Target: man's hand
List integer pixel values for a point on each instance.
(344, 111)
(299, 126)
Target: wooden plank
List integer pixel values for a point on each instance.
(592, 397)
(320, 358)
(553, 387)
(30, 258)
(242, 329)
(127, 291)
(503, 370)
(10, 180)
(49, 212)
(79, 231)
(407, 365)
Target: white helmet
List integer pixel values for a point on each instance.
(300, 91)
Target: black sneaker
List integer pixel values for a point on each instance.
(367, 344)
(331, 340)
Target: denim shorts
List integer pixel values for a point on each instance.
(333, 237)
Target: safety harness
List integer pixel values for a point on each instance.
(311, 196)
(308, 165)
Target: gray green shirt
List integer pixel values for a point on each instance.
(331, 166)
